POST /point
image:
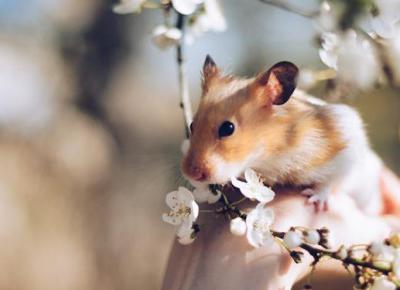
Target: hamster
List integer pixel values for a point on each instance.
(289, 138)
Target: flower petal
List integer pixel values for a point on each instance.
(172, 200)
(253, 237)
(382, 283)
(185, 228)
(194, 211)
(185, 233)
(237, 183)
(267, 239)
(264, 194)
(244, 187)
(184, 195)
(186, 240)
(251, 176)
(184, 7)
(215, 17)
(268, 215)
(171, 219)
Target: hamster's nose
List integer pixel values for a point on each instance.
(198, 173)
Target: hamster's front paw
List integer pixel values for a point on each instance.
(319, 198)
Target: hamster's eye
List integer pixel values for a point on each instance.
(226, 129)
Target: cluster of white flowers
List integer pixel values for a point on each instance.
(256, 224)
(358, 53)
(386, 253)
(184, 210)
(260, 219)
(203, 16)
(352, 56)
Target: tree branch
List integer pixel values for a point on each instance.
(290, 8)
(183, 80)
(317, 252)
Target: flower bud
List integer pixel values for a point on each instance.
(312, 237)
(238, 226)
(292, 239)
(342, 253)
(382, 283)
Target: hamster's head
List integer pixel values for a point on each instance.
(233, 123)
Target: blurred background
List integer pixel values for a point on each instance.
(90, 131)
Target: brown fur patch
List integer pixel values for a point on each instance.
(334, 142)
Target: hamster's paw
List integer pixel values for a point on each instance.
(319, 198)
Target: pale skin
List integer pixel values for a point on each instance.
(218, 260)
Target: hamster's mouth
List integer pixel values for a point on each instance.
(209, 181)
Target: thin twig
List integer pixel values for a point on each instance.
(183, 80)
(290, 8)
(316, 252)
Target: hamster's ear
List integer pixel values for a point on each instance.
(277, 84)
(210, 70)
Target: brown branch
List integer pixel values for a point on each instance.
(290, 8)
(316, 252)
(183, 80)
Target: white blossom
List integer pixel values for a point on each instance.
(382, 252)
(382, 283)
(312, 237)
(385, 28)
(385, 23)
(357, 62)
(258, 223)
(211, 19)
(165, 37)
(184, 211)
(185, 233)
(203, 194)
(327, 19)
(186, 7)
(329, 49)
(352, 56)
(128, 6)
(253, 188)
(292, 239)
(238, 226)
